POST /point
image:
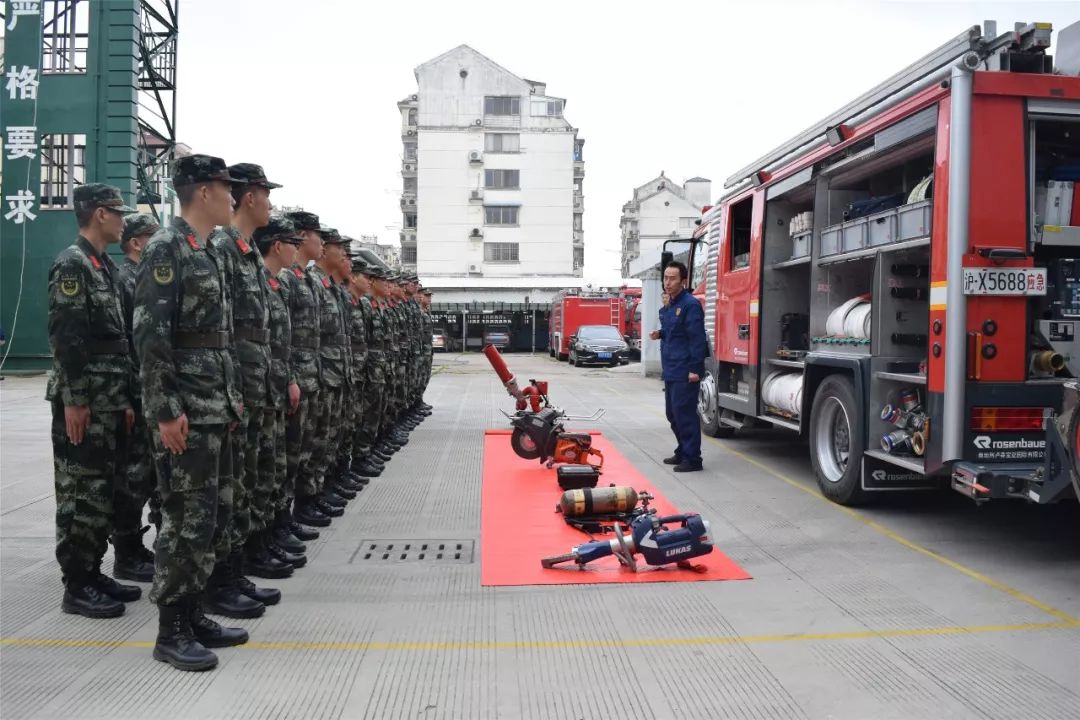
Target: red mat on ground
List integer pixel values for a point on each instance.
(519, 524)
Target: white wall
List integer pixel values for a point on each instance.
(449, 107)
(657, 220)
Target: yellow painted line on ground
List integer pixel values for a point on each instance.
(892, 534)
(567, 644)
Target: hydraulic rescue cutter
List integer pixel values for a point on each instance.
(649, 536)
(539, 432)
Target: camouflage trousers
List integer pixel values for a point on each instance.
(372, 414)
(239, 526)
(350, 417)
(325, 449)
(265, 488)
(135, 483)
(282, 495)
(196, 501)
(85, 476)
(300, 444)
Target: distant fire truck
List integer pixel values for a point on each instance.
(570, 309)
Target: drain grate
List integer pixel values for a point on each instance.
(408, 551)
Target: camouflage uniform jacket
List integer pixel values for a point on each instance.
(250, 315)
(332, 329)
(281, 373)
(377, 343)
(304, 316)
(359, 327)
(416, 326)
(87, 332)
(128, 270)
(428, 329)
(346, 302)
(181, 332)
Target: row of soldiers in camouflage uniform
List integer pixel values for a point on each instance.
(266, 372)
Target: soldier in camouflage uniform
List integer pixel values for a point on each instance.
(348, 482)
(91, 404)
(333, 344)
(278, 242)
(367, 357)
(192, 399)
(305, 364)
(373, 419)
(135, 485)
(429, 346)
(229, 593)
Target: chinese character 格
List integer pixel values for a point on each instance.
(23, 81)
(21, 141)
(21, 205)
(22, 7)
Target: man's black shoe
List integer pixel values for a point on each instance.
(84, 598)
(304, 534)
(260, 563)
(223, 596)
(284, 538)
(368, 471)
(328, 510)
(381, 456)
(344, 491)
(308, 513)
(176, 643)
(131, 559)
(673, 460)
(211, 633)
(687, 467)
(115, 590)
(267, 596)
(296, 560)
(332, 499)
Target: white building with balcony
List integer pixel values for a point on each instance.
(491, 177)
(659, 210)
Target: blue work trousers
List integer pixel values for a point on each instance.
(680, 402)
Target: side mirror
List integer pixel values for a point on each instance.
(666, 258)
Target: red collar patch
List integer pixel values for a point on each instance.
(242, 244)
(326, 283)
(193, 242)
(95, 262)
(353, 300)
(298, 272)
(273, 283)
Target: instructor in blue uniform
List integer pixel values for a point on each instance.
(682, 354)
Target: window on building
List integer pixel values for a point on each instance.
(410, 185)
(412, 117)
(410, 151)
(501, 214)
(502, 179)
(741, 229)
(501, 252)
(502, 142)
(687, 223)
(410, 220)
(65, 36)
(63, 167)
(502, 105)
(547, 108)
(408, 254)
(577, 222)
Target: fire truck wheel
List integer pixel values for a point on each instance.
(836, 441)
(1074, 467)
(708, 412)
(523, 445)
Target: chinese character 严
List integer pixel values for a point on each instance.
(21, 142)
(24, 81)
(21, 205)
(22, 7)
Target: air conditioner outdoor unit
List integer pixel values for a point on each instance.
(409, 167)
(412, 201)
(476, 156)
(474, 268)
(478, 122)
(477, 195)
(476, 233)
(415, 97)
(410, 132)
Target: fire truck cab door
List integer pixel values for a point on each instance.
(736, 296)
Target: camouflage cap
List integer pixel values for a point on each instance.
(95, 195)
(304, 220)
(279, 228)
(330, 236)
(375, 271)
(139, 224)
(192, 169)
(251, 174)
(425, 291)
(359, 264)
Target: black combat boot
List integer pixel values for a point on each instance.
(83, 597)
(282, 535)
(344, 491)
(131, 559)
(176, 643)
(267, 596)
(296, 560)
(353, 482)
(300, 532)
(381, 456)
(332, 499)
(115, 590)
(366, 469)
(223, 596)
(328, 510)
(308, 513)
(210, 633)
(260, 563)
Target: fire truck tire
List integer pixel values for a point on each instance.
(709, 414)
(1074, 448)
(836, 441)
(523, 445)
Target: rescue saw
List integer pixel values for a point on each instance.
(539, 430)
(648, 536)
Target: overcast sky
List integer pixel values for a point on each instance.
(308, 88)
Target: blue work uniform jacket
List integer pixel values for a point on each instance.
(682, 329)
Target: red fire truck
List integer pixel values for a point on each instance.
(570, 309)
(631, 299)
(900, 284)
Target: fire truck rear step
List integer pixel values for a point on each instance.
(984, 482)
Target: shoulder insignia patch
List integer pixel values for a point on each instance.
(244, 247)
(298, 272)
(274, 285)
(69, 285)
(95, 262)
(678, 310)
(326, 283)
(163, 274)
(193, 242)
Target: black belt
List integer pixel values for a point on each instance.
(254, 334)
(360, 348)
(305, 339)
(186, 339)
(334, 340)
(108, 347)
(279, 352)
